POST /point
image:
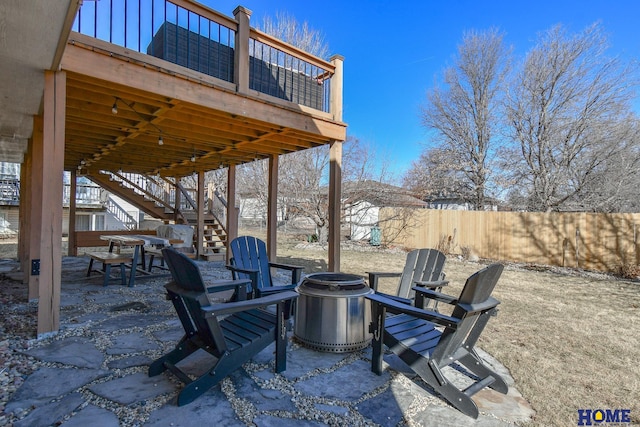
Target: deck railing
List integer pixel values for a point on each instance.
(191, 35)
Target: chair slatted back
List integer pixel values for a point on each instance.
(251, 253)
(477, 289)
(188, 294)
(422, 265)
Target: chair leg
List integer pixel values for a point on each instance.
(282, 324)
(107, 273)
(475, 365)
(90, 267)
(223, 367)
(123, 274)
(184, 348)
(433, 376)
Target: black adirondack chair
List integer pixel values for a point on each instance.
(423, 267)
(232, 332)
(428, 341)
(249, 260)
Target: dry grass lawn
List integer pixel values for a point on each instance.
(571, 341)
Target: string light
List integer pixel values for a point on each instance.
(114, 109)
(160, 140)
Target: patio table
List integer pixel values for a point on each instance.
(138, 242)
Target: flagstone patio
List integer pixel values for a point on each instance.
(95, 371)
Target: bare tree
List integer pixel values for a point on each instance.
(464, 113)
(285, 27)
(564, 111)
(613, 186)
(435, 172)
(304, 179)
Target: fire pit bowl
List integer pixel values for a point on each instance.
(332, 313)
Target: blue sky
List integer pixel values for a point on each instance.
(394, 51)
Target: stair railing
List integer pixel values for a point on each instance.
(144, 186)
(121, 214)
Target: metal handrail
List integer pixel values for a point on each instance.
(122, 215)
(194, 36)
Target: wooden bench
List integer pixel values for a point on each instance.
(108, 259)
(157, 253)
(91, 239)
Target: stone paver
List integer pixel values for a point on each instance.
(75, 351)
(210, 409)
(93, 415)
(352, 384)
(51, 413)
(135, 342)
(133, 388)
(47, 384)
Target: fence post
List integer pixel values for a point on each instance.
(577, 248)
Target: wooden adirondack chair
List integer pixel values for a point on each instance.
(423, 267)
(232, 332)
(413, 336)
(249, 261)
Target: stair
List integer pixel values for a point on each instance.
(145, 203)
(214, 238)
(215, 235)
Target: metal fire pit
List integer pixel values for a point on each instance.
(332, 313)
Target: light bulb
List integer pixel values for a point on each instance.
(160, 140)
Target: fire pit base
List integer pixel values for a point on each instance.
(332, 313)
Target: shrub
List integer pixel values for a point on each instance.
(628, 271)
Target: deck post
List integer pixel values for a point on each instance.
(72, 249)
(232, 211)
(50, 202)
(241, 57)
(200, 215)
(24, 213)
(335, 182)
(177, 199)
(34, 216)
(272, 208)
(335, 99)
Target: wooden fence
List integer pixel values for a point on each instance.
(601, 242)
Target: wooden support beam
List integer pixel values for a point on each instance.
(34, 215)
(241, 57)
(335, 100)
(200, 216)
(23, 218)
(272, 208)
(335, 183)
(72, 249)
(50, 274)
(232, 210)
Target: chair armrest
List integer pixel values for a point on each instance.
(234, 307)
(397, 298)
(431, 284)
(275, 289)
(431, 294)
(223, 285)
(398, 307)
(253, 274)
(296, 270)
(375, 275)
(481, 307)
